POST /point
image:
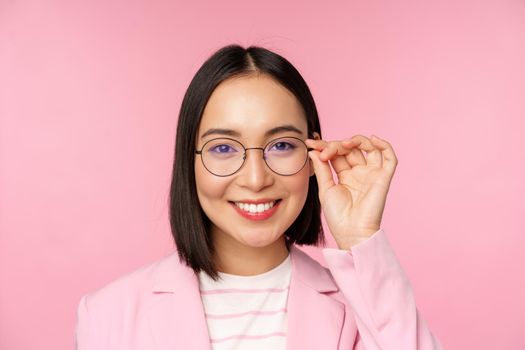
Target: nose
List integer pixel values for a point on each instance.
(254, 173)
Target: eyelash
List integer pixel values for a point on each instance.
(289, 146)
(218, 146)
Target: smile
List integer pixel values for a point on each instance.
(255, 208)
(256, 211)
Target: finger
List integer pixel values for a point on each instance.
(334, 152)
(356, 156)
(340, 148)
(389, 157)
(343, 157)
(374, 156)
(323, 173)
(332, 149)
(340, 164)
(316, 144)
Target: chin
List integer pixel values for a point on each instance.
(258, 240)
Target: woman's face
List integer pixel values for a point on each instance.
(250, 107)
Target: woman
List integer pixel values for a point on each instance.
(250, 176)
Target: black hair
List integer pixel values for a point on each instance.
(190, 226)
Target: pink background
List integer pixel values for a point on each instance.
(89, 96)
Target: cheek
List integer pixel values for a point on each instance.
(298, 186)
(208, 186)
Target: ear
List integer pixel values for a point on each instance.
(312, 171)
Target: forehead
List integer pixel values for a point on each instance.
(252, 105)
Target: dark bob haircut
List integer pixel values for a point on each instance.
(190, 226)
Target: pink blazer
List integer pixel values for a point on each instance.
(363, 300)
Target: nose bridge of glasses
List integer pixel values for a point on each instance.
(256, 168)
(256, 160)
(249, 148)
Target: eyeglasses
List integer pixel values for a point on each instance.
(224, 156)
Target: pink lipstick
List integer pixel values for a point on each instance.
(257, 216)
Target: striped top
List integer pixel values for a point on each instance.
(247, 312)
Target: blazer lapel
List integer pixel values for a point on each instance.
(315, 320)
(177, 317)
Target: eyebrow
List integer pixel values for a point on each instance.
(271, 132)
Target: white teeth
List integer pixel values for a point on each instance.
(255, 208)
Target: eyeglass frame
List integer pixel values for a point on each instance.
(308, 149)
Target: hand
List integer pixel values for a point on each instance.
(354, 206)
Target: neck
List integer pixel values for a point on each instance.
(233, 258)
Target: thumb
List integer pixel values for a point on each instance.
(323, 173)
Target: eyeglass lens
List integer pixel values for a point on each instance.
(285, 156)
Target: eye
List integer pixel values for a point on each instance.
(282, 146)
(222, 148)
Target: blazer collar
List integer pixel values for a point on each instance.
(314, 320)
(172, 276)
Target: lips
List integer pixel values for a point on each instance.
(255, 208)
(248, 209)
(256, 201)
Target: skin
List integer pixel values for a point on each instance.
(353, 205)
(251, 106)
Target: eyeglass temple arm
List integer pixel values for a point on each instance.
(307, 148)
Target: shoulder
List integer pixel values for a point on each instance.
(132, 287)
(311, 272)
(116, 313)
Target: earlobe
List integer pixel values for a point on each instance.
(312, 171)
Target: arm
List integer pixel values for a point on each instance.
(379, 292)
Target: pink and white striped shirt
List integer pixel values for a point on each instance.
(247, 312)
